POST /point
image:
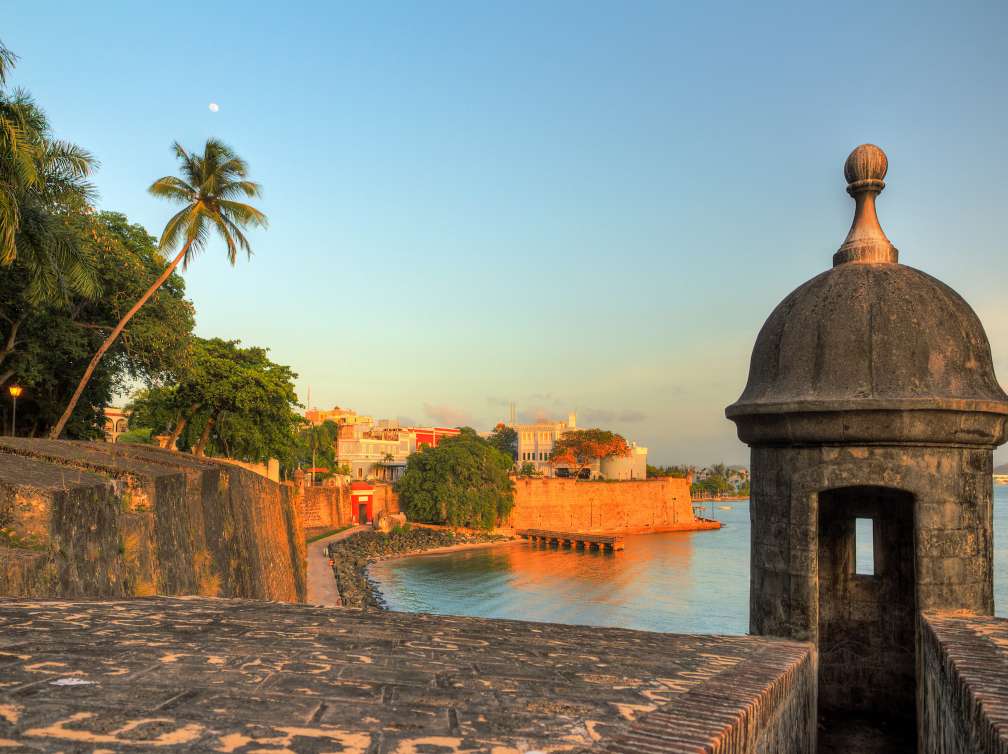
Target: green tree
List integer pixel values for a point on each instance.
(43, 181)
(668, 471)
(231, 401)
(462, 482)
(211, 185)
(43, 343)
(528, 469)
(505, 439)
(314, 446)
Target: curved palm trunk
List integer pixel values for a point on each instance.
(57, 429)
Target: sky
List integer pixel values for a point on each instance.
(572, 206)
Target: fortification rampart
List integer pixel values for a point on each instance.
(654, 505)
(107, 520)
(633, 507)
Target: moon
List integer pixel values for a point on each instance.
(214, 107)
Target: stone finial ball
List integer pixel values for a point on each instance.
(866, 163)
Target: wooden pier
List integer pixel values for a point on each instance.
(610, 542)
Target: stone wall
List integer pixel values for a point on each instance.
(571, 505)
(330, 507)
(560, 504)
(963, 667)
(933, 548)
(108, 520)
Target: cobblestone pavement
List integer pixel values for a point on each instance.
(201, 674)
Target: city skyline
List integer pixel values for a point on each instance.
(570, 208)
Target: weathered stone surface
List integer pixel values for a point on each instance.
(964, 684)
(196, 674)
(113, 520)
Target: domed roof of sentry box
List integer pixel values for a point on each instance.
(871, 350)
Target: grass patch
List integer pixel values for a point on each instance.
(328, 533)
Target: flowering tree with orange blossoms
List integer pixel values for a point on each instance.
(580, 447)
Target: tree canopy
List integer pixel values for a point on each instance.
(44, 343)
(580, 447)
(668, 471)
(315, 446)
(229, 400)
(462, 482)
(505, 439)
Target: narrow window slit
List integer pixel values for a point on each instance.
(864, 546)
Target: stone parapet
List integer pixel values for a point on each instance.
(963, 697)
(198, 675)
(107, 520)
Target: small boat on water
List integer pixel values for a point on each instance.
(724, 507)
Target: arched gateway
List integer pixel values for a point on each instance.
(872, 396)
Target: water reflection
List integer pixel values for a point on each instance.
(687, 582)
(659, 582)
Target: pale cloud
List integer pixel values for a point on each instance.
(535, 414)
(607, 416)
(448, 416)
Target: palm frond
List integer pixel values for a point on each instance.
(172, 187)
(243, 214)
(175, 229)
(7, 61)
(210, 183)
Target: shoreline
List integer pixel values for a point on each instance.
(357, 588)
(353, 556)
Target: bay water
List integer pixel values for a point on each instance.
(681, 582)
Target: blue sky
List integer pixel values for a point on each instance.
(572, 206)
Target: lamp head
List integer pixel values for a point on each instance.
(15, 390)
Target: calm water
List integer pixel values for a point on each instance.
(689, 582)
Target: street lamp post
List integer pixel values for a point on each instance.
(15, 391)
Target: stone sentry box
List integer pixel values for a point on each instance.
(872, 395)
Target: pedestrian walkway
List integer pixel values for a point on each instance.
(321, 582)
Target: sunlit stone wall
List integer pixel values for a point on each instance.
(111, 520)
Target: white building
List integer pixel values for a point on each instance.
(375, 452)
(535, 442)
(379, 449)
(535, 446)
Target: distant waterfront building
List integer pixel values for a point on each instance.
(623, 468)
(341, 416)
(376, 449)
(116, 423)
(535, 442)
(535, 446)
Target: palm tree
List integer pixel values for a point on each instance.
(42, 182)
(209, 189)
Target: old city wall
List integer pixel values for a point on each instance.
(558, 504)
(962, 666)
(330, 507)
(109, 520)
(569, 505)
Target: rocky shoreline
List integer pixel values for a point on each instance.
(352, 556)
